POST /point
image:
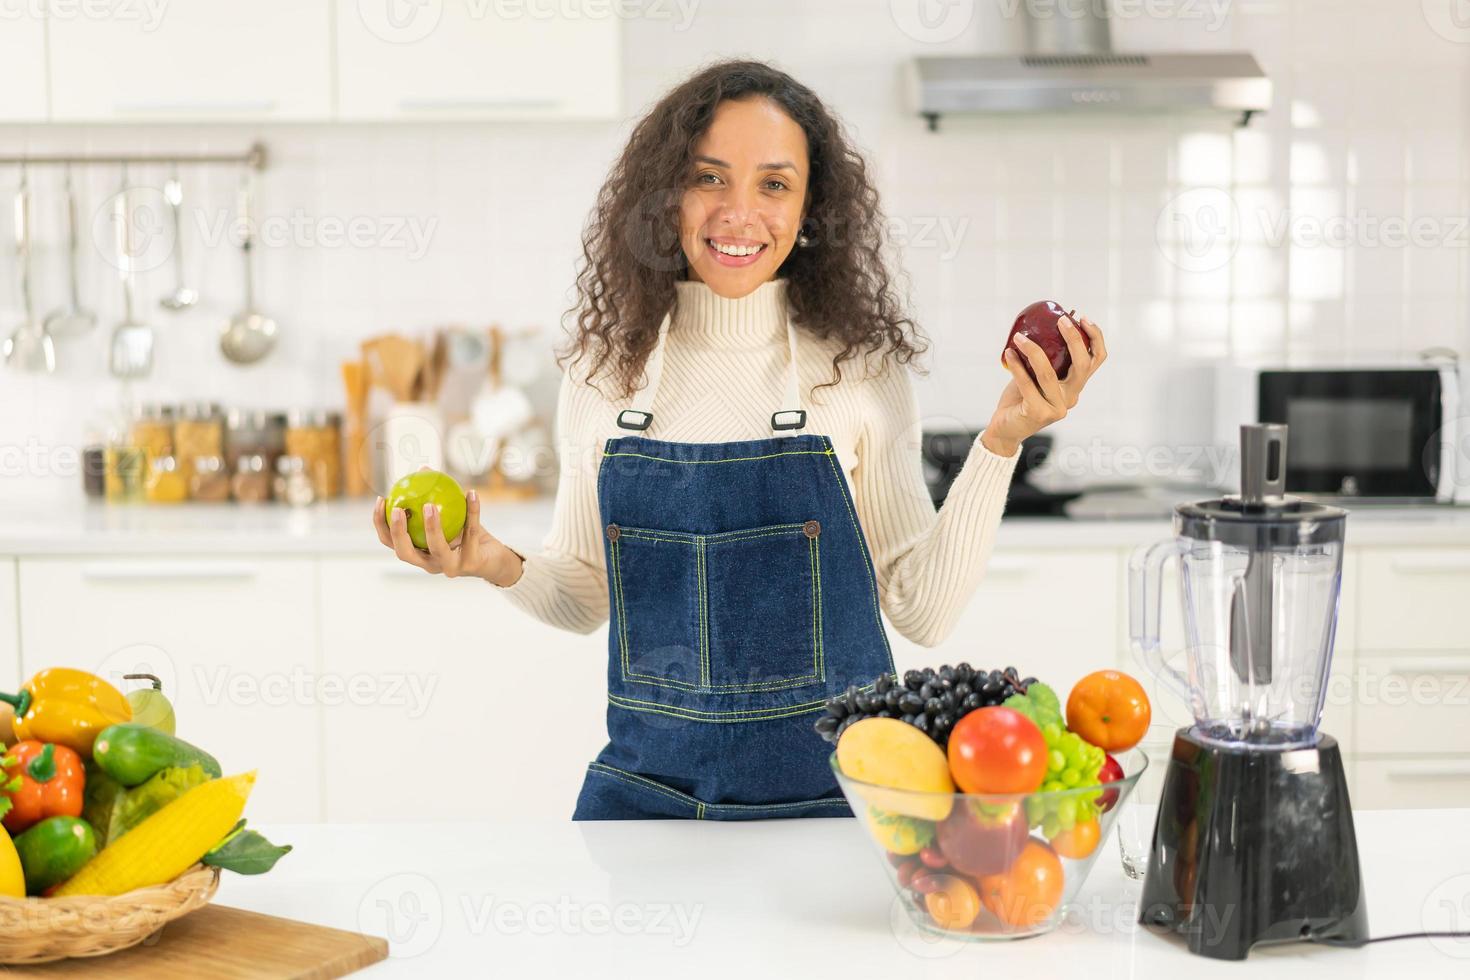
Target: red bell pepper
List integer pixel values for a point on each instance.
(41, 780)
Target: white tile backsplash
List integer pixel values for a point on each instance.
(479, 223)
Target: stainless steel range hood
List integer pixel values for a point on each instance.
(1071, 66)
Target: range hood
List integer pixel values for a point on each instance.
(1071, 66)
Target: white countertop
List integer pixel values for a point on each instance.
(343, 527)
(785, 898)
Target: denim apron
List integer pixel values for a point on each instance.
(742, 595)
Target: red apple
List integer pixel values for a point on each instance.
(982, 839)
(1039, 322)
(1110, 772)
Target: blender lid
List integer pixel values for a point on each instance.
(1262, 515)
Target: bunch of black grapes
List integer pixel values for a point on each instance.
(931, 700)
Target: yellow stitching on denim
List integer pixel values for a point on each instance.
(660, 536)
(808, 705)
(704, 667)
(762, 534)
(632, 779)
(700, 806)
(818, 665)
(772, 714)
(754, 687)
(622, 612)
(872, 586)
(721, 537)
(732, 459)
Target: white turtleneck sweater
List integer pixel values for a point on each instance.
(724, 373)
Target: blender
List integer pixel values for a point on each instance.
(1254, 836)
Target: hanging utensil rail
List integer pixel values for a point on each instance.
(254, 158)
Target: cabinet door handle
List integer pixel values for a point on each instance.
(244, 105)
(143, 571)
(1009, 565)
(1431, 563)
(1429, 770)
(475, 105)
(1430, 665)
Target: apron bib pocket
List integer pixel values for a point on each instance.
(697, 612)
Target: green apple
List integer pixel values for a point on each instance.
(427, 487)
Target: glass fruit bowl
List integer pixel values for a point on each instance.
(982, 867)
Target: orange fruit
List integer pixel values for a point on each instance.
(954, 904)
(1109, 709)
(1029, 891)
(1080, 841)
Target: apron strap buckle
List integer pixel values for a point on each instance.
(631, 418)
(793, 418)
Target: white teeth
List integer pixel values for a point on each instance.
(736, 249)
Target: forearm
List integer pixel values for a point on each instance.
(927, 585)
(560, 590)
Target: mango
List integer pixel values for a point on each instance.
(890, 753)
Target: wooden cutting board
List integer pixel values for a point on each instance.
(227, 944)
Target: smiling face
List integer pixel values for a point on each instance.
(743, 207)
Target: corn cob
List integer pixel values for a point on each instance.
(166, 844)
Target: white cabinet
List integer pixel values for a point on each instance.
(465, 60)
(233, 640)
(470, 708)
(23, 53)
(9, 627)
(1414, 599)
(191, 59)
(1053, 615)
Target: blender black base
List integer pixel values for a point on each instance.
(1254, 846)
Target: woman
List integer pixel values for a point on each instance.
(740, 491)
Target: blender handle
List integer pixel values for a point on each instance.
(1145, 604)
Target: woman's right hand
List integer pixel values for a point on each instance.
(475, 552)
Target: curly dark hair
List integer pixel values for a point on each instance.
(838, 288)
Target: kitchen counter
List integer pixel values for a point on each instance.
(341, 528)
(779, 898)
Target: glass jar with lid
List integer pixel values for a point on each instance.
(316, 437)
(254, 432)
(165, 483)
(152, 430)
(209, 481)
(199, 430)
(293, 482)
(251, 483)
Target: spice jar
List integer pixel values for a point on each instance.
(165, 485)
(152, 431)
(316, 437)
(254, 432)
(199, 430)
(124, 475)
(251, 483)
(209, 481)
(94, 471)
(293, 482)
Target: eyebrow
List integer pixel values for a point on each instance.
(780, 165)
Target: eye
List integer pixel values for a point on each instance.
(775, 184)
(708, 177)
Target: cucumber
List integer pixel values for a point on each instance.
(54, 850)
(131, 753)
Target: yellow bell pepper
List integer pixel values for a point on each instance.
(68, 707)
(12, 878)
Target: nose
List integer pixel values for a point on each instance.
(738, 208)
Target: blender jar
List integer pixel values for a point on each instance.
(1260, 576)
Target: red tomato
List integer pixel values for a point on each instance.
(997, 750)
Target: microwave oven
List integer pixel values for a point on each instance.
(1372, 435)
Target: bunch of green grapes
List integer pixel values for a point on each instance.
(1072, 762)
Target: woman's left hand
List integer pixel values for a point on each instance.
(1026, 407)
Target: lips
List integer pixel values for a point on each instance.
(735, 252)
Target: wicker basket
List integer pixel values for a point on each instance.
(38, 930)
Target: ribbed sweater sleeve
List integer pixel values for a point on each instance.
(565, 583)
(927, 564)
